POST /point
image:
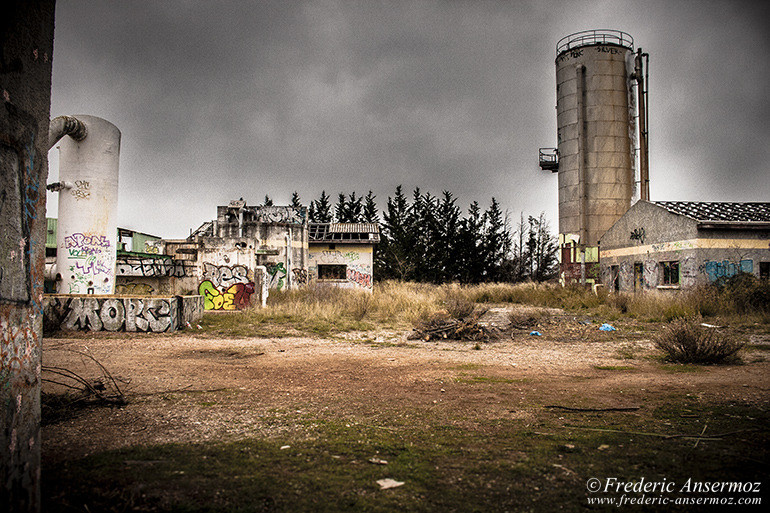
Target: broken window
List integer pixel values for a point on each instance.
(332, 272)
(615, 277)
(670, 272)
(764, 270)
(638, 275)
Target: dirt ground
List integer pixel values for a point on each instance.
(190, 388)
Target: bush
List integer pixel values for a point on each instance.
(747, 293)
(686, 341)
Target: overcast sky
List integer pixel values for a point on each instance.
(222, 100)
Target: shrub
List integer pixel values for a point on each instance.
(686, 341)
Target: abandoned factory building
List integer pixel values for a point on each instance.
(248, 250)
(678, 244)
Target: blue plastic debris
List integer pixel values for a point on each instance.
(536, 333)
(607, 327)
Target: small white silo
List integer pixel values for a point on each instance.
(88, 198)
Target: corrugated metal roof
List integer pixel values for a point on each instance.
(361, 233)
(354, 228)
(719, 211)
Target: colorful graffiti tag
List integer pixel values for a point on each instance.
(226, 287)
(726, 269)
(360, 276)
(237, 296)
(92, 260)
(277, 273)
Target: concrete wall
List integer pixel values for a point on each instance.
(119, 313)
(633, 250)
(358, 260)
(26, 47)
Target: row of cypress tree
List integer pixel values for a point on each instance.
(429, 239)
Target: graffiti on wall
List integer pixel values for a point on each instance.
(134, 289)
(92, 260)
(82, 190)
(638, 234)
(154, 267)
(286, 215)
(277, 274)
(299, 275)
(113, 314)
(152, 247)
(726, 269)
(360, 276)
(226, 287)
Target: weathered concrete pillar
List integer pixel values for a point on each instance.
(26, 39)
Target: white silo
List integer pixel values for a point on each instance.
(88, 197)
(595, 158)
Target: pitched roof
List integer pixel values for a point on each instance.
(367, 233)
(710, 212)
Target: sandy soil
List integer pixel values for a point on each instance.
(186, 387)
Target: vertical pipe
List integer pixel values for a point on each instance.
(644, 170)
(288, 259)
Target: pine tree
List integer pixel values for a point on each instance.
(268, 202)
(496, 241)
(370, 209)
(470, 250)
(322, 209)
(295, 201)
(340, 208)
(354, 209)
(395, 258)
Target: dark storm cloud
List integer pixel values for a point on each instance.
(220, 100)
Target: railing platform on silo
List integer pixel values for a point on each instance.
(594, 37)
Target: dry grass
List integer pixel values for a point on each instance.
(401, 305)
(686, 341)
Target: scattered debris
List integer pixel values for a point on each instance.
(284, 447)
(567, 448)
(388, 483)
(607, 327)
(565, 469)
(378, 461)
(536, 334)
(444, 327)
(569, 408)
(705, 325)
(603, 447)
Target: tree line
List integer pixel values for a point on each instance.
(428, 238)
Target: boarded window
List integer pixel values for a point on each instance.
(670, 272)
(332, 272)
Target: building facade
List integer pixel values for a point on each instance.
(677, 245)
(342, 254)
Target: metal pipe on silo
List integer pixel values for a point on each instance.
(88, 196)
(641, 76)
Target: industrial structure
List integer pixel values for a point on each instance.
(610, 233)
(675, 245)
(89, 153)
(599, 79)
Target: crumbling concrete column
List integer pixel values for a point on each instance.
(26, 39)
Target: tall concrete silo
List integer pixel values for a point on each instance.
(86, 237)
(595, 157)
